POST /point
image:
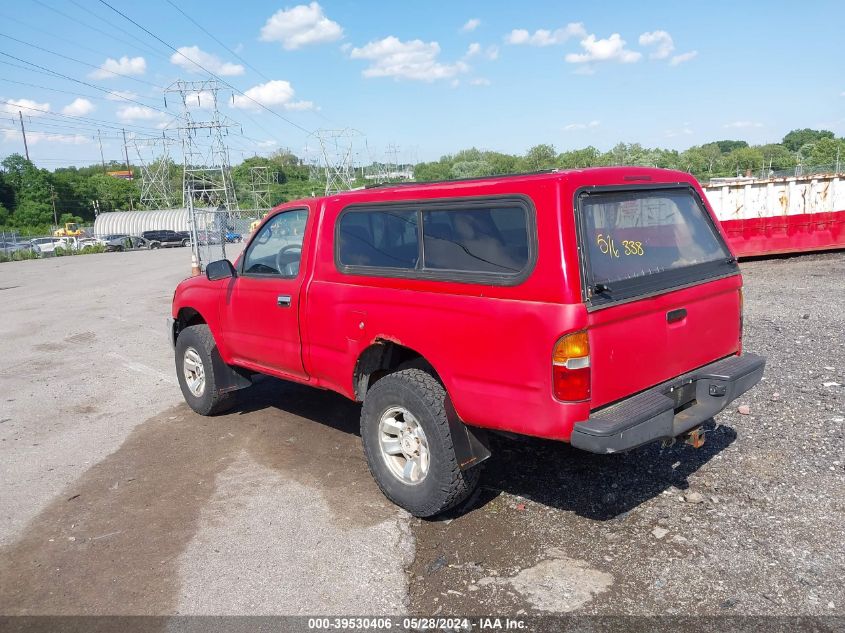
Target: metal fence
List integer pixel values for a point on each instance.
(807, 170)
(212, 230)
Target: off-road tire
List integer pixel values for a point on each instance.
(445, 485)
(211, 402)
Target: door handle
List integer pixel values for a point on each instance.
(283, 301)
(676, 315)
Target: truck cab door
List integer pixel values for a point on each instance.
(260, 311)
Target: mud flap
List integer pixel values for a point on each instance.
(470, 443)
(228, 378)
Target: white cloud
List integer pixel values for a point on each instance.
(139, 113)
(604, 50)
(267, 144)
(299, 26)
(475, 49)
(479, 81)
(273, 93)
(455, 83)
(121, 95)
(683, 57)
(111, 68)
(413, 59)
(470, 25)
(186, 54)
(661, 41)
(33, 138)
(739, 125)
(301, 105)
(684, 131)
(78, 107)
(544, 37)
(572, 127)
(26, 106)
(199, 100)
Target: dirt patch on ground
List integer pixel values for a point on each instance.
(109, 543)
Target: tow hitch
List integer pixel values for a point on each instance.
(695, 438)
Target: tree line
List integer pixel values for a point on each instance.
(719, 158)
(33, 200)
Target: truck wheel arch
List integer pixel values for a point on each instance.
(381, 358)
(228, 377)
(186, 317)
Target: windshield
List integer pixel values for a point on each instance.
(632, 235)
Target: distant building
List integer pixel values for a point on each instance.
(136, 222)
(125, 174)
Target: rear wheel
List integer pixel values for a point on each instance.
(195, 351)
(408, 444)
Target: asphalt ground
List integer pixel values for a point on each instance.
(116, 499)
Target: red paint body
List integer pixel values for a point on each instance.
(794, 233)
(490, 345)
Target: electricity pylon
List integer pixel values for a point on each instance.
(207, 173)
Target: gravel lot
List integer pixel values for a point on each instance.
(751, 523)
(117, 498)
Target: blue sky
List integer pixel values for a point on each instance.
(430, 77)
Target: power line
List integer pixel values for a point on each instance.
(85, 83)
(100, 122)
(78, 61)
(200, 66)
(50, 88)
(52, 36)
(98, 30)
(212, 36)
(231, 52)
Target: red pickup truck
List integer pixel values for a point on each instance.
(601, 307)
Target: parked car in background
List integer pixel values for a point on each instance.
(600, 307)
(48, 245)
(167, 238)
(8, 247)
(210, 237)
(233, 237)
(120, 243)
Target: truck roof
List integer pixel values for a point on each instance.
(600, 175)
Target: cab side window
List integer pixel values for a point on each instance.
(276, 250)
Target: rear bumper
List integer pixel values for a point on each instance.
(669, 409)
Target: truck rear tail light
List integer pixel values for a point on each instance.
(571, 367)
(741, 319)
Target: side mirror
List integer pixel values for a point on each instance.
(221, 269)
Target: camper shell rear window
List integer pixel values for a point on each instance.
(645, 240)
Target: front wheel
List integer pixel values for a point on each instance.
(195, 352)
(408, 444)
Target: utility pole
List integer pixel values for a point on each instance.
(23, 132)
(53, 200)
(126, 153)
(102, 158)
(128, 168)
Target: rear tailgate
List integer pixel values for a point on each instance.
(662, 287)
